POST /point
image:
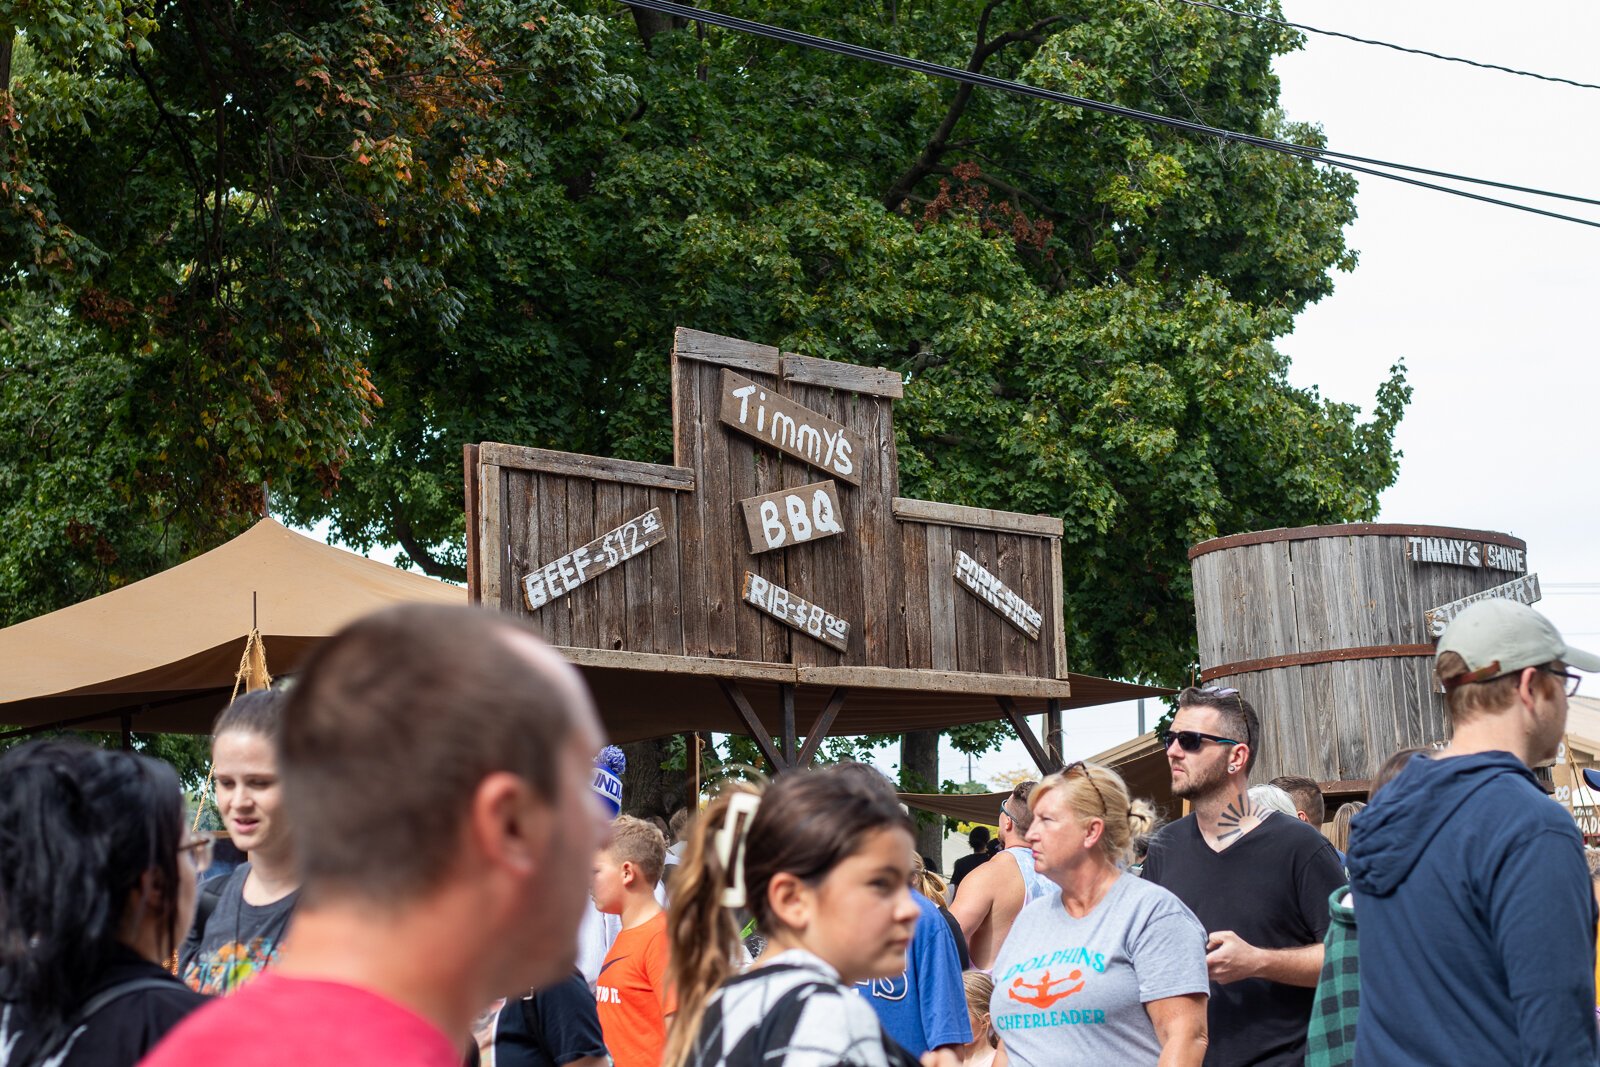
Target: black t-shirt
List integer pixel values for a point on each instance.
(120, 1033)
(550, 1028)
(966, 865)
(1271, 888)
(238, 940)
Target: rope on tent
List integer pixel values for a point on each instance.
(251, 676)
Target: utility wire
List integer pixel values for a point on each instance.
(1325, 156)
(1386, 44)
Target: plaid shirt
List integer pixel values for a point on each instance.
(1331, 1041)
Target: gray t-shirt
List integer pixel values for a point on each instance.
(1071, 991)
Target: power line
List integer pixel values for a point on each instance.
(1326, 156)
(1386, 44)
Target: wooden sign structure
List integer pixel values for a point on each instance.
(778, 551)
(1459, 552)
(1524, 590)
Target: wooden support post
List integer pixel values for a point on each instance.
(758, 732)
(1053, 738)
(127, 732)
(791, 743)
(824, 723)
(1025, 732)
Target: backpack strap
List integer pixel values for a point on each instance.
(61, 1038)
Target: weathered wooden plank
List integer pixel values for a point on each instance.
(796, 612)
(838, 572)
(646, 663)
(726, 351)
(752, 632)
(492, 555)
(752, 722)
(767, 476)
(638, 579)
(469, 479)
(982, 583)
(550, 510)
(581, 528)
(1523, 590)
(914, 556)
(1046, 763)
(611, 589)
(667, 603)
(767, 416)
(523, 544)
(1466, 552)
(971, 617)
(970, 683)
(820, 727)
(1058, 610)
(562, 576)
(689, 428)
(795, 516)
(977, 518)
(575, 465)
(718, 517)
(941, 598)
(851, 377)
(884, 629)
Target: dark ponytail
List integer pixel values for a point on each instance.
(807, 824)
(79, 827)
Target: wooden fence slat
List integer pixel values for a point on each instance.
(576, 465)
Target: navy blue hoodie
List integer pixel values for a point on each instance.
(1476, 917)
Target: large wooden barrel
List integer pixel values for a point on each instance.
(1329, 632)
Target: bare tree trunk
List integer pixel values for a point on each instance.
(647, 789)
(919, 773)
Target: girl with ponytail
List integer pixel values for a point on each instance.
(97, 887)
(822, 861)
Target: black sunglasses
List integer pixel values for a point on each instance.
(1190, 740)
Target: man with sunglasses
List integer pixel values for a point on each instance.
(993, 895)
(1257, 880)
(1476, 915)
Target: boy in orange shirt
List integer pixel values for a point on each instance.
(631, 993)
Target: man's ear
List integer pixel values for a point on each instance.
(1238, 758)
(510, 824)
(791, 901)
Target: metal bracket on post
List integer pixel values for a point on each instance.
(1030, 741)
(752, 722)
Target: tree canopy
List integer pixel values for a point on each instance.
(322, 244)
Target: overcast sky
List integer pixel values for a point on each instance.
(1494, 311)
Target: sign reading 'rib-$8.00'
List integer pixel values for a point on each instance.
(582, 565)
(796, 611)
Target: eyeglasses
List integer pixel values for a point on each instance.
(1573, 680)
(200, 851)
(1006, 813)
(1190, 740)
(1084, 767)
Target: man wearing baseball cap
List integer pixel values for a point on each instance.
(1477, 920)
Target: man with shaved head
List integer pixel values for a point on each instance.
(436, 765)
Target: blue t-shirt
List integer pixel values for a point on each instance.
(926, 1007)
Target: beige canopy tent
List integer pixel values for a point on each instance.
(161, 654)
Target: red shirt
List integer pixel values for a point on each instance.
(278, 1021)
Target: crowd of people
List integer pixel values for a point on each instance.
(439, 874)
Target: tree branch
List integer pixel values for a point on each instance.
(437, 568)
(939, 143)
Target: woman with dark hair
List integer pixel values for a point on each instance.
(242, 919)
(822, 860)
(97, 886)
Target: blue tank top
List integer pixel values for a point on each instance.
(1034, 884)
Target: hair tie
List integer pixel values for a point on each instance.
(730, 841)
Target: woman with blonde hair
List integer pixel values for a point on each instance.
(1339, 830)
(1111, 968)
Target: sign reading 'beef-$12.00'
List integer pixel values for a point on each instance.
(792, 516)
(792, 429)
(796, 611)
(995, 593)
(559, 577)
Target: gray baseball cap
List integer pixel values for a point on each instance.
(1496, 637)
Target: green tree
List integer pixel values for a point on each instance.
(491, 214)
